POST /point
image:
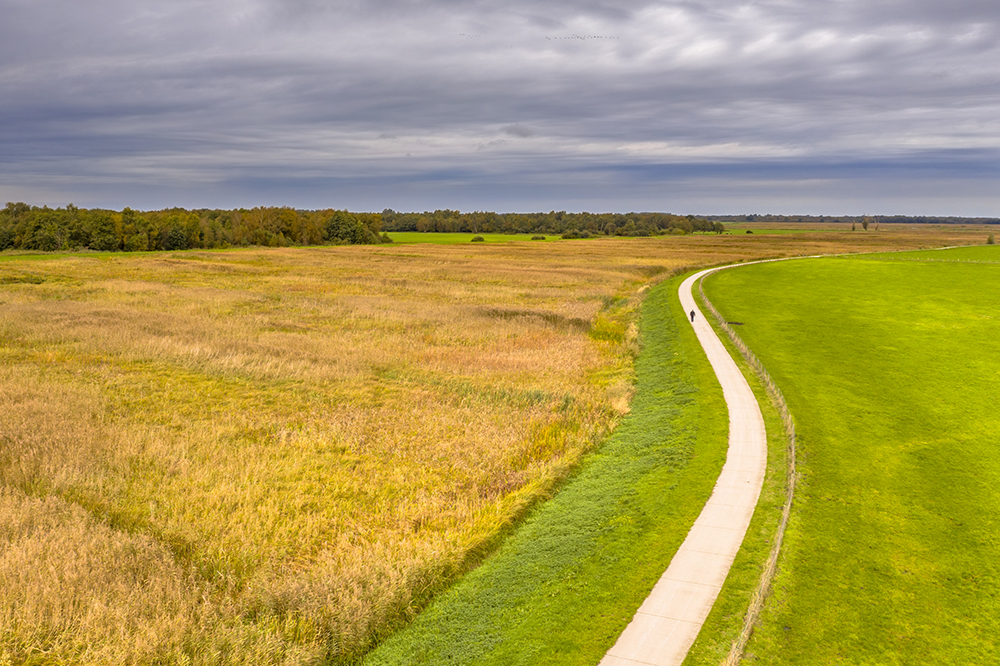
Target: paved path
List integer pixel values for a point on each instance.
(665, 626)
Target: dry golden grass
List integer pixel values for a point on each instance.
(276, 456)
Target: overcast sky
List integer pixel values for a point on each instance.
(703, 106)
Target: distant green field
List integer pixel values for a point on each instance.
(977, 253)
(890, 367)
(452, 239)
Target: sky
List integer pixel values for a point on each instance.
(824, 107)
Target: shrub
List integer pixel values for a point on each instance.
(749, 231)
(176, 239)
(991, 240)
(478, 239)
(538, 238)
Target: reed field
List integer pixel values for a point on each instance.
(889, 364)
(280, 455)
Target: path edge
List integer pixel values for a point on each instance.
(763, 588)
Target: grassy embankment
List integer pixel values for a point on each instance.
(890, 366)
(280, 455)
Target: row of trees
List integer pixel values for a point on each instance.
(552, 223)
(27, 227)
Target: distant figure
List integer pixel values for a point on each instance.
(692, 315)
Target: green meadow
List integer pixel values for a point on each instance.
(890, 365)
(974, 253)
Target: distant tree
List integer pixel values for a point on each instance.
(104, 236)
(135, 236)
(854, 226)
(342, 227)
(51, 237)
(177, 238)
(864, 223)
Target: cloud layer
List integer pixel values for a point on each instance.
(701, 106)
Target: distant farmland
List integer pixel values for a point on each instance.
(279, 455)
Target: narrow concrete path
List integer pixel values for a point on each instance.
(665, 626)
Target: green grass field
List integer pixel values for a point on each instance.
(890, 368)
(975, 253)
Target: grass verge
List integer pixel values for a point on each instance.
(563, 587)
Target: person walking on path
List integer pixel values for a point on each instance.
(692, 315)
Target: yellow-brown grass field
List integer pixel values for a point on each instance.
(278, 455)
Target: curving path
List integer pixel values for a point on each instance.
(665, 626)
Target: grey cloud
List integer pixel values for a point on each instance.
(517, 130)
(311, 89)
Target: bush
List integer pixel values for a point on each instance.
(991, 240)
(478, 239)
(539, 237)
(385, 238)
(176, 239)
(749, 231)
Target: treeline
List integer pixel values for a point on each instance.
(570, 225)
(25, 227)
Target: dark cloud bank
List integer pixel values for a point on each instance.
(833, 107)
